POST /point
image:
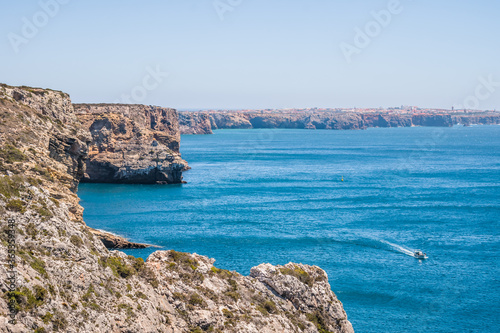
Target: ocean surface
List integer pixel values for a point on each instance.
(256, 196)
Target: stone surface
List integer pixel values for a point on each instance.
(66, 279)
(194, 123)
(132, 144)
(112, 241)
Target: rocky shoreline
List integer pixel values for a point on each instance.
(201, 122)
(113, 242)
(66, 280)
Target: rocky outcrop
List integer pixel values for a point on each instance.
(305, 287)
(326, 120)
(132, 144)
(194, 123)
(229, 121)
(290, 298)
(112, 241)
(65, 280)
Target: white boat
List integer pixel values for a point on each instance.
(419, 254)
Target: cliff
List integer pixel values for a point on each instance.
(324, 120)
(65, 280)
(132, 144)
(474, 119)
(195, 123)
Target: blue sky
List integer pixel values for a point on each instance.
(257, 53)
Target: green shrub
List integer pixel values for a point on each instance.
(44, 212)
(16, 299)
(299, 273)
(11, 154)
(25, 299)
(208, 293)
(41, 293)
(150, 276)
(88, 294)
(119, 268)
(232, 294)
(223, 273)
(141, 295)
(233, 284)
(34, 181)
(10, 186)
(93, 305)
(317, 319)
(16, 205)
(42, 171)
(184, 259)
(228, 314)
(128, 309)
(46, 318)
(31, 230)
(270, 306)
(137, 263)
(179, 296)
(39, 266)
(52, 290)
(267, 307)
(59, 322)
(76, 240)
(196, 299)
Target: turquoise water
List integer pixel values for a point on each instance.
(276, 196)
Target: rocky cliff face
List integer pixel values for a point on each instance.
(325, 120)
(194, 123)
(42, 140)
(65, 280)
(432, 120)
(229, 121)
(472, 119)
(132, 144)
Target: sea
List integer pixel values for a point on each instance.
(356, 203)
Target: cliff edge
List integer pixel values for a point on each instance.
(65, 280)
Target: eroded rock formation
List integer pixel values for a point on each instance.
(67, 281)
(132, 144)
(112, 241)
(195, 123)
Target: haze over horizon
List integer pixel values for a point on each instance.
(237, 54)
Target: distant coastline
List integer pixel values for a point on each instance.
(204, 122)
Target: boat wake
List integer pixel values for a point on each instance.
(369, 242)
(398, 248)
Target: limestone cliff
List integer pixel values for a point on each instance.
(132, 144)
(194, 123)
(229, 121)
(325, 120)
(65, 280)
(475, 119)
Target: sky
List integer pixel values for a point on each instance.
(238, 54)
